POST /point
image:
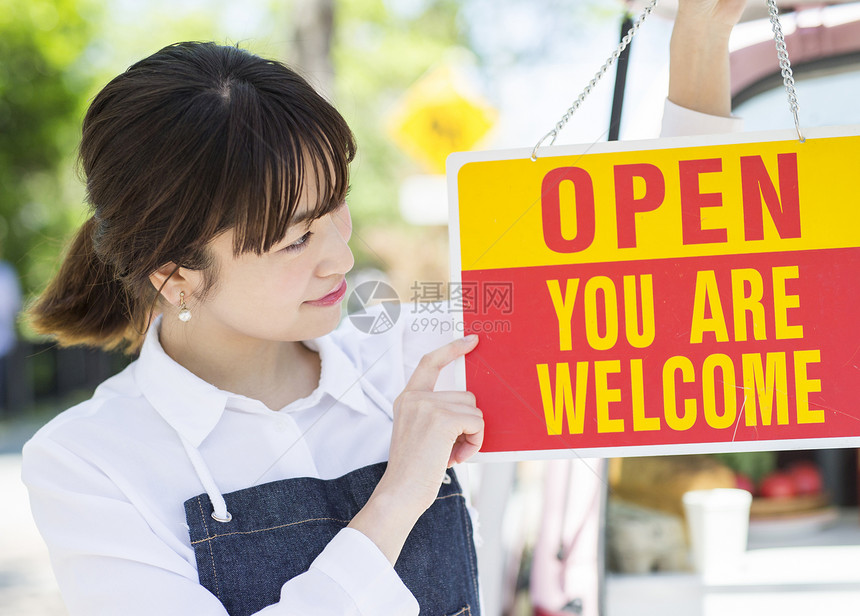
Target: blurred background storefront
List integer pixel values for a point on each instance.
(418, 79)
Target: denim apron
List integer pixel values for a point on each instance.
(276, 530)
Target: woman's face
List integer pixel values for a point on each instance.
(292, 292)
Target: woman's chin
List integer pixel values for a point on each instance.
(324, 322)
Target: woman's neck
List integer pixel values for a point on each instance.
(273, 372)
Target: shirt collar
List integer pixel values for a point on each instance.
(339, 376)
(193, 407)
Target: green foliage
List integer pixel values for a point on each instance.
(55, 54)
(753, 464)
(42, 89)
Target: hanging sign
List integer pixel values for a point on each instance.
(672, 296)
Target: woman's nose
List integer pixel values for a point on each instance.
(343, 221)
(338, 258)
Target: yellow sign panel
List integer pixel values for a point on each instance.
(658, 204)
(437, 116)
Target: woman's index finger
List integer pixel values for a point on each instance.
(427, 372)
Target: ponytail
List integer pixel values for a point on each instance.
(86, 303)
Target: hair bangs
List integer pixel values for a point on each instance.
(289, 151)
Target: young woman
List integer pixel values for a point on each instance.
(254, 459)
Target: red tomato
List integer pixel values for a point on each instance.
(806, 478)
(777, 485)
(743, 482)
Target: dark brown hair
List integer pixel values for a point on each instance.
(188, 143)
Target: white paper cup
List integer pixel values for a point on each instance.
(718, 521)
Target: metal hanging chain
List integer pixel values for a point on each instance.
(551, 135)
(784, 64)
(781, 52)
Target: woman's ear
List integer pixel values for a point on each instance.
(171, 280)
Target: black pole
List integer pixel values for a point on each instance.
(620, 82)
(614, 127)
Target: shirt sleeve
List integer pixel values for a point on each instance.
(109, 560)
(679, 121)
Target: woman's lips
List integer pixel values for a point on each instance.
(332, 298)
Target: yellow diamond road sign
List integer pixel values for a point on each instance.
(437, 116)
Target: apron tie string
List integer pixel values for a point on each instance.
(220, 513)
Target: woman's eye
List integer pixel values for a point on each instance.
(299, 243)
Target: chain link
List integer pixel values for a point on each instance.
(784, 64)
(606, 65)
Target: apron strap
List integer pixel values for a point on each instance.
(220, 513)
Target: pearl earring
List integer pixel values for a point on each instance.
(184, 312)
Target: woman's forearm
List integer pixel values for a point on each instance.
(699, 55)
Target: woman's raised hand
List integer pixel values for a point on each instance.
(432, 430)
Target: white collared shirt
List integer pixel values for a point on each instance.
(108, 478)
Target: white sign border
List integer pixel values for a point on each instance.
(458, 160)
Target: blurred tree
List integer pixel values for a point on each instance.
(313, 28)
(42, 88)
(380, 48)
